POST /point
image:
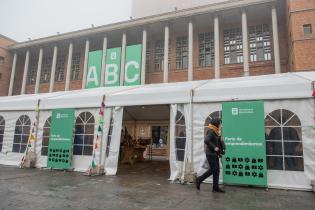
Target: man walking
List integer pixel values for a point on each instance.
(213, 153)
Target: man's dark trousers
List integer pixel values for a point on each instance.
(214, 170)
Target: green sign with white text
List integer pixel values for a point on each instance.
(61, 139)
(112, 71)
(94, 73)
(244, 136)
(133, 65)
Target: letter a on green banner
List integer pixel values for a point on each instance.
(94, 73)
(133, 65)
(112, 71)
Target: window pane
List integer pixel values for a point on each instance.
(180, 131)
(89, 129)
(88, 139)
(293, 148)
(274, 163)
(290, 133)
(274, 148)
(78, 139)
(275, 134)
(180, 143)
(180, 155)
(16, 148)
(77, 150)
(88, 150)
(44, 151)
(23, 148)
(294, 164)
(25, 139)
(17, 139)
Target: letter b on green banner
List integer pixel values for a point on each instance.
(133, 65)
(112, 71)
(94, 73)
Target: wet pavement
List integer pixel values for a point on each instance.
(143, 186)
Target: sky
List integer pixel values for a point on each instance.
(23, 19)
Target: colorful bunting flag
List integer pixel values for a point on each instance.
(99, 128)
(37, 109)
(101, 121)
(93, 164)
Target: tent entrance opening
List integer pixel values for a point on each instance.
(145, 139)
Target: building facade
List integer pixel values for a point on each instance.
(6, 61)
(219, 40)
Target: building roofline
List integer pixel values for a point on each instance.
(140, 22)
(5, 37)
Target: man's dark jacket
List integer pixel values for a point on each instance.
(212, 140)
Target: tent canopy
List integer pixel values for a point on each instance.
(268, 87)
(86, 98)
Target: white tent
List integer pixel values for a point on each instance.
(194, 100)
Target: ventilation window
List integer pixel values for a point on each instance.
(307, 29)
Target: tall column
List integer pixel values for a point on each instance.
(86, 57)
(144, 57)
(245, 43)
(275, 34)
(39, 70)
(27, 60)
(12, 74)
(190, 50)
(216, 48)
(104, 61)
(67, 86)
(123, 58)
(53, 70)
(166, 45)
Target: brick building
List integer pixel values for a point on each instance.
(216, 40)
(5, 64)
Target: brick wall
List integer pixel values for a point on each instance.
(5, 68)
(302, 46)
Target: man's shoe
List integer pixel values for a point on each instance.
(197, 183)
(218, 190)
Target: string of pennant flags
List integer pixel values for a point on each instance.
(97, 142)
(31, 138)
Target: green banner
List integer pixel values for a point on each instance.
(244, 136)
(94, 73)
(112, 71)
(133, 65)
(61, 139)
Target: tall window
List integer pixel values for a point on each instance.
(213, 115)
(21, 134)
(2, 125)
(75, 66)
(181, 53)
(84, 134)
(233, 46)
(206, 49)
(1, 60)
(180, 136)
(260, 43)
(46, 68)
(110, 134)
(284, 141)
(46, 133)
(60, 68)
(159, 55)
(32, 72)
(147, 60)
